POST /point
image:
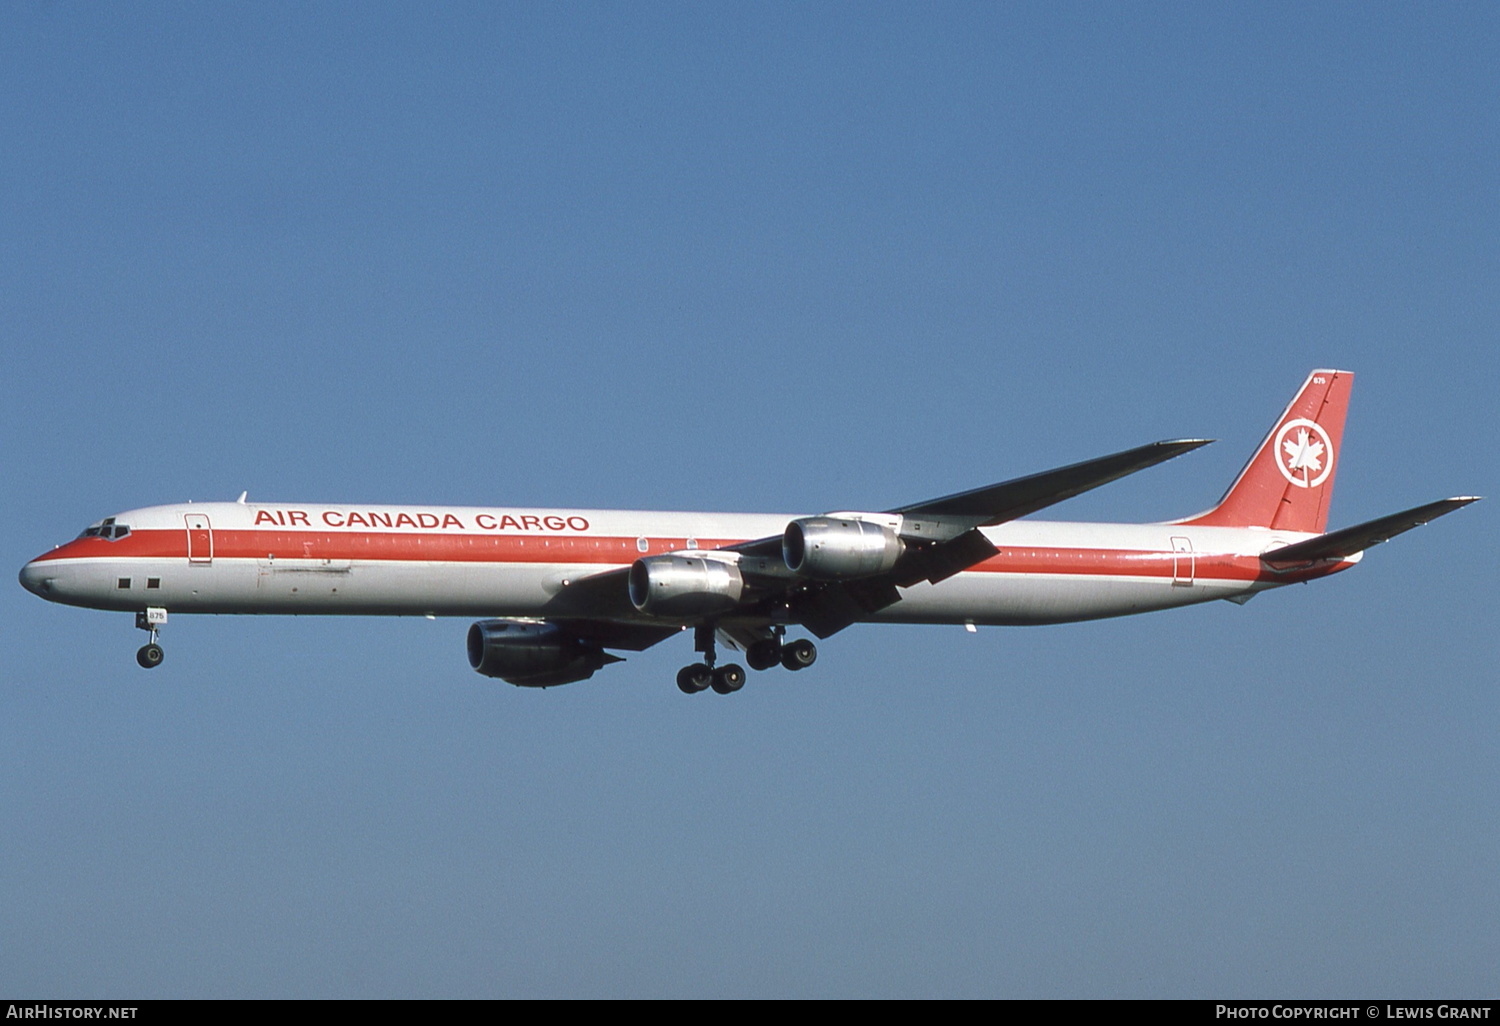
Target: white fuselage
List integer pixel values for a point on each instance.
(496, 562)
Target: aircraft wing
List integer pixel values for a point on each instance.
(1349, 540)
(943, 536)
(632, 637)
(597, 608)
(952, 521)
(1009, 500)
(951, 516)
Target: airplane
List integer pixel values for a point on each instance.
(558, 588)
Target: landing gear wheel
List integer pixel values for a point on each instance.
(799, 654)
(729, 679)
(695, 678)
(149, 619)
(763, 654)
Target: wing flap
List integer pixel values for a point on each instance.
(829, 609)
(939, 562)
(632, 637)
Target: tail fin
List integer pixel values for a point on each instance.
(1288, 483)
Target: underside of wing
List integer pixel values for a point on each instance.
(824, 572)
(596, 608)
(632, 637)
(940, 537)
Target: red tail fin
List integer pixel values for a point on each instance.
(1288, 483)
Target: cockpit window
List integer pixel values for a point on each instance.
(106, 529)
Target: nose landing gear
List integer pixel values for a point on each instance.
(150, 654)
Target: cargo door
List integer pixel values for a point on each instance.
(1183, 560)
(200, 539)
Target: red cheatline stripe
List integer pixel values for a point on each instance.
(615, 551)
(407, 545)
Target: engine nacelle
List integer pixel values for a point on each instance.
(686, 586)
(832, 548)
(532, 655)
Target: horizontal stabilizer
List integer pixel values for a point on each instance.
(998, 503)
(1349, 540)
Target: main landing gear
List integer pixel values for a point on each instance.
(150, 654)
(795, 655)
(762, 655)
(700, 676)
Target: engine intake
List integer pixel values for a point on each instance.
(832, 548)
(532, 655)
(686, 586)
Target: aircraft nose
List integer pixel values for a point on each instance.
(34, 578)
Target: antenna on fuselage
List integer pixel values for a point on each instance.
(243, 496)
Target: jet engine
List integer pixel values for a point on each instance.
(532, 655)
(832, 548)
(686, 586)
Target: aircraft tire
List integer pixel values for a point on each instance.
(763, 654)
(150, 656)
(799, 654)
(695, 678)
(728, 679)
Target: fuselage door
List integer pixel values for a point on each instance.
(200, 539)
(1182, 563)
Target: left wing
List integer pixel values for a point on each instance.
(1009, 500)
(941, 537)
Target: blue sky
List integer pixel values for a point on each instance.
(767, 257)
